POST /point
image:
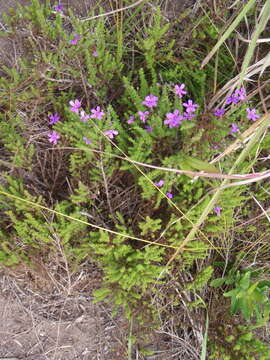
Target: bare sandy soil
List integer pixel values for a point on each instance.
(50, 325)
(27, 335)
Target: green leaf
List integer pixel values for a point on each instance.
(246, 337)
(234, 305)
(245, 309)
(231, 293)
(259, 296)
(264, 284)
(200, 165)
(245, 281)
(204, 343)
(217, 282)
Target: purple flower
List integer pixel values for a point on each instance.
(131, 119)
(54, 118)
(232, 99)
(169, 195)
(95, 53)
(190, 107)
(217, 210)
(83, 116)
(219, 112)
(149, 128)
(97, 113)
(251, 114)
(159, 183)
(86, 140)
(53, 137)
(75, 39)
(188, 116)
(238, 95)
(234, 128)
(241, 94)
(111, 133)
(179, 90)
(143, 115)
(150, 101)
(173, 119)
(75, 106)
(58, 8)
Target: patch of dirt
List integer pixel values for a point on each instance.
(54, 326)
(6, 5)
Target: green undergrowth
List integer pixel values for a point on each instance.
(87, 198)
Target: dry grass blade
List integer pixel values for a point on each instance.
(204, 344)
(114, 11)
(228, 32)
(245, 137)
(252, 70)
(265, 14)
(259, 41)
(266, 63)
(263, 210)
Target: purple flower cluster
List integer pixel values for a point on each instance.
(54, 118)
(75, 106)
(234, 128)
(238, 95)
(148, 128)
(53, 137)
(131, 119)
(83, 116)
(173, 119)
(241, 94)
(251, 114)
(159, 184)
(86, 140)
(150, 101)
(232, 100)
(190, 107)
(143, 115)
(219, 112)
(111, 133)
(75, 39)
(217, 210)
(97, 113)
(169, 195)
(58, 8)
(188, 116)
(179, 90)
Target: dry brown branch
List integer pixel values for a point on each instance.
(253, 176)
